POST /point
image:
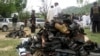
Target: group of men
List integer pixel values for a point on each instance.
(55, 10)
(53, 14)
(92, 20)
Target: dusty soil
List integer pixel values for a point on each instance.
(27, 30)
(3, 34)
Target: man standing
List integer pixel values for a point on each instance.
(57, 10)
(33, 19)
(61, 27)
(14, 21)
(95, 18)
(50, 14)
(84, 23)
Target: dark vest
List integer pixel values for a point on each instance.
(96, 13)
(96, 10)
(14, 20)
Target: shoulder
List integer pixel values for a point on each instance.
(58, 7)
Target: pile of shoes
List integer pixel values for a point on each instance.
(51, 42)
(17, 33)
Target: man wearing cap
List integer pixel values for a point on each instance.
(33, 19)
(95, 17)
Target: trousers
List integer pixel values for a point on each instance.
(96, 26)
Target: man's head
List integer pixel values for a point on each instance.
(56, 4)
(15, 15)
(52, 6)
(73, 14)
(87, 14)
(33, 11)
(95, 3)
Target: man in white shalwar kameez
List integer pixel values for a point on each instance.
(57, 10)
(86, 20)
(50, 14)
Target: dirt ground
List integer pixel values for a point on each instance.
(3, 34)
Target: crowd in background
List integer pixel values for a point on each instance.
(92, 19)
(86, 20)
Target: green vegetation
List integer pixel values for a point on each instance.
(9, 53)
(78, 10)
(93, 36)
(81, 9)
(24, 15)
(9, 42)
(10, 6)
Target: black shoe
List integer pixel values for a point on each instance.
(97, 50)
(98, 32)
(93, 32)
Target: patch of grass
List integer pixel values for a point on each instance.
(9, 42)
(93, 36)
(6, 43)
(9, 53)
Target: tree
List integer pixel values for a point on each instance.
(80, 2)
(44, 8)
(20, 5)
(84, 9)
(6, 8)
(87, 7)
(10, 6)
(24, 15)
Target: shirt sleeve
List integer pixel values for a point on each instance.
(55, 12)
(59, 10)
(48, 14)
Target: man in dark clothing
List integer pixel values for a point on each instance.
(95, 18)
(14, 21)
(74, 17)
(33, 19)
